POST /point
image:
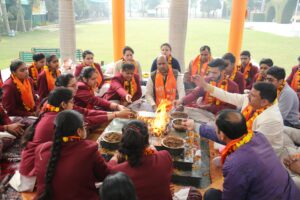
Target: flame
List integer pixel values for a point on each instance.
(161, 120)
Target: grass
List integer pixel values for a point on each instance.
(146, 35)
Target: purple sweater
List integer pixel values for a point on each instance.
(254, 172)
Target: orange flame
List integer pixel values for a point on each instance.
(159, 124)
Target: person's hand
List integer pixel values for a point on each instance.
(189, 124)
(199, 81)
(293, 163)
(15, 129)
(125, 114)
(120, 107)
(177, 103)
(128, 98)
(118, 157)
(172, 189)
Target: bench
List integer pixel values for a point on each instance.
(56, 51)
(26, 56)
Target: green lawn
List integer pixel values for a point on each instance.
(145, 36)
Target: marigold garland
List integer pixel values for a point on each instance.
(51, 108)
(280, 88)
(209, 99)
(235, 144)
(296, 81)
(251, 115)
(233, 74)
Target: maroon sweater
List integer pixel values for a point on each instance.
(79, 68)
(117, 91)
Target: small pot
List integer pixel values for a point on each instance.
(177, 124)
(110, 144)
(178, 114)
(175, 151)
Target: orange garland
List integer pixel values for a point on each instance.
(148, 151)
(250, 116)
(50, 108)
(50, 78)
(209, 99)
(280, 88)
(233, 74)
(296, 81)
(170, 61)
(130, 86)
(34, 73)
(235, 144)
(246, 71)
(26, 92)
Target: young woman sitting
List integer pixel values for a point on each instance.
(142, 160)
(68, 167)
(85, 96)
(42, 129)
(46, 79)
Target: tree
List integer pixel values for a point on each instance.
(151, 4)
(20, 24)
(67, 29)
(177, 28)
(210, 5)
(5, 16)
(52, 8)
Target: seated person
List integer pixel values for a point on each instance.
(197, 66)
(164, 83)
(117, 187)
(68, 167)
(39, 61)
(125, 87)
(85, 95)
(232, 73)
(264, 65)
(216, 77)
(88, 61)
(92, 117)
(142, 160)
(18, 92)
(247, 68)
(42, 129)
(258, 107)
(247, 161)
(128, 58)
(46, 79)
(287, 98)
(165, 49)
(294, 79)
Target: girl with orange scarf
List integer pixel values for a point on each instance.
(46, 80)
(125, 87)
(39, 61)
(88, 61)
(18, 93)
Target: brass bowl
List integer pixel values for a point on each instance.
(174, 144)
(178, 114)
(177, 124)
(111, 140)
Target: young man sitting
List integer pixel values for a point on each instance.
(125, 87)
(250, 167)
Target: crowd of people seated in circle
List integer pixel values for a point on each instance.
(49, 112)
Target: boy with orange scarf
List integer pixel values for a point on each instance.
(198, 65)
(18, 91)
(46, 79)
(164, 83)
(125, 86)
(216, 77)
(39, 61)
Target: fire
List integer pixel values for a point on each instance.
(161, 120)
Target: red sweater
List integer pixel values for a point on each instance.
(152, 178)
(117, 91)
(4, 119)
(86, 98)
(240, 81)
(80, 165)
(12, 101)
(251, 78)
(191, 98)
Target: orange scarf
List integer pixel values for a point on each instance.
(50, 78)
(130, 86)
(259, 78)
(198, 67)
(246, 71)
(296, 81)
(233, 74)
(50, 108)
(221, 84)
(99, 77)
(280, 88)
(235, 144)
(26, 92)
(34, 73)
(165, 91)
(250, 116)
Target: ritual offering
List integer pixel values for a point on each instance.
(111, 140)
(177, 124)
(178, 114)
(174, 144)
